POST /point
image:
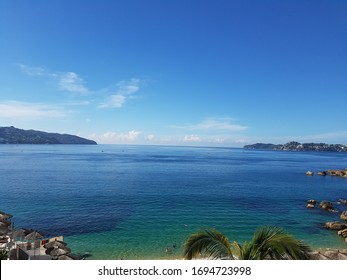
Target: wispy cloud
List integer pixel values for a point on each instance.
(191, 138)
(129, 136)
(113, 101)
(16, 109)
(66, 81)
(218, 140)
(117, 137)
(150, 137)
(71, 82)
(124, 91)
(213, 125)
(77, 103)
(35, 71)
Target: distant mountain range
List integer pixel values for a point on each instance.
(12, 135)
(296, 146)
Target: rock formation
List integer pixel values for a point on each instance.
(331, 172)
(340, 173)
(335, 225)
(311, 203)
(343, 215)
(326, 205)
(343, 233)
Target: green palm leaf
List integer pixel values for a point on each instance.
(267, 243)
(207, 243)
(274, 243)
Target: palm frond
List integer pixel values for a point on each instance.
(275, 243)
(208, 243)
(243, 252)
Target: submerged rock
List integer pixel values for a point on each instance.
(335, 225)
(339, 173)
(311, 203)
(343, 201)
(326, 205)
(331, 172)
(343, 215)
(343, 233)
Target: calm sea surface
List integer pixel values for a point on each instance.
(131, 202)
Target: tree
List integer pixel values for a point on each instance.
(267, 243)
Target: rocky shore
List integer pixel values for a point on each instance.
(331, 172)
(339, 226)
(329, 254)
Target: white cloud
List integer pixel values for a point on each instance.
(214, 124)
(114, 101)
(241, 141)
(78, 102)
(66, 81)
(71, 82)
(150, 137)
(125, 89)
(117, 137)
(191, 138)
(15, 109)
(35, 71)
(220, 124)
(128, 87)
(218, 140)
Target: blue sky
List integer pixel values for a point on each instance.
(183, 72)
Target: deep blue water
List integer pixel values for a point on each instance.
(134, 201)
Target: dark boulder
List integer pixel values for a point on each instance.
(335, 225)
(311, 203)
(326, 205)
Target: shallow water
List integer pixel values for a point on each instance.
(131, 202)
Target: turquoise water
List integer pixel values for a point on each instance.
(131, 202)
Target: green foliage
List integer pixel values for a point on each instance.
(3, 255)
(267, 243)
(209, 243)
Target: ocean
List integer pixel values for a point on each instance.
(133, 202)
